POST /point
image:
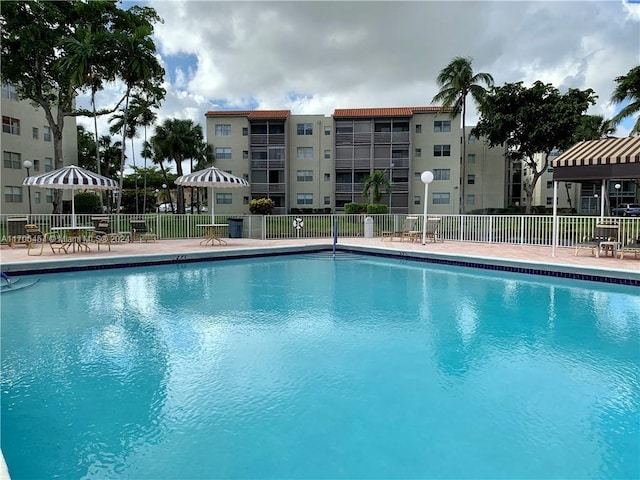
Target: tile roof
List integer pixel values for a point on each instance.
(250, 114)
(384, 112)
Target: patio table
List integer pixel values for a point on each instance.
(212, 233)
(75, 236)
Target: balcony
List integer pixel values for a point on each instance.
(267, 139)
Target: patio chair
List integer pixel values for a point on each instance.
(432, 230)
(408, 229)
(603, 232)
(632, 246)
(101, 235)
(140, 231)
(36, 237)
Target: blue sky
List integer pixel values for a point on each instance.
(313, 57)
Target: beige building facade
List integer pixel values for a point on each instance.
(317, 163)
(26, 136)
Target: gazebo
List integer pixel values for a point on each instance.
(593, 160)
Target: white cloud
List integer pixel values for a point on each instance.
(314, 57)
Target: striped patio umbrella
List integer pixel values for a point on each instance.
(211, 177)
(72, 178)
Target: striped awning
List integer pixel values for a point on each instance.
(211, 177)
(599, 159)
(71, 178)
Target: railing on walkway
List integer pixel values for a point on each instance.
(500, 229)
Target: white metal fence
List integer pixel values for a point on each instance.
(511, 229)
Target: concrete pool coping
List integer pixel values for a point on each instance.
(513, 258)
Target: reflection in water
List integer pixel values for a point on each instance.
(309, 367)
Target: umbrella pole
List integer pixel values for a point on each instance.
(73, 208)
(212, 201)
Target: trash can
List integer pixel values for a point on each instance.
(235, 227)
(368, 227)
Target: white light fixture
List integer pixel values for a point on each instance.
(427, 178)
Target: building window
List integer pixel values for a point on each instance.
(46, 133)
(12, 160)
(13, 194)
(550, 184)
(37, 198)
(304, 153)
(472, 139)
(223, 153)
(419, 128)
(471, 179)
(327, 200)
(440, 198)
(36, 165)
(304, 199)
(305, 175)
(10, 125)
(35, 133)
(305, 129)
(442, 150)
(223, 198)
(245, 200)
(418, 152)
(327, 154)
(471, 158)
(327, 130)
(49, 193)
(245, 176)
(327, 177)
(416, 200)
(245, 131)
(549, 200)
(442, 126)
(245, 154)
(550, 170)
(48, 164)
(442, 174)
(223, 130)
(470, 200)
(9, 91)
(417, 176)
(568, 184)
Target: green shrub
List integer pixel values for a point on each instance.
(261, 206)
(87, 202)
(350, 208)
(376, 208)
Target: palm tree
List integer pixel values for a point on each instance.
(177, 140)
(375, 185)
(628, 89)
(456, 82)
(204, 158)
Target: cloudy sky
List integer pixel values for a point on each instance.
(314, 57)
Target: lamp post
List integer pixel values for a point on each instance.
(427, 178)
(617, 186)
(28, 164)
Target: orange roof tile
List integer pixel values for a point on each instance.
(251, 114)
(383, 112)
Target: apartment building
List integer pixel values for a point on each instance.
(26, 136)
(319, 162)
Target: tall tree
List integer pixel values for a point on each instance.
(86, 149)
(204, 158)
(47, 68)
(177, 140)
(375, 185)
(628, 89)
(532, 120)
(457, 81)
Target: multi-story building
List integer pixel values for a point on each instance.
(320, 163)
(26, 136)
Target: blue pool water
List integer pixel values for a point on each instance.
(309, 367)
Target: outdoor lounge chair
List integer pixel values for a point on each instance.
(36, 237)
(603, 232)
(432, 230)
(408, 229)
(139, 231)
(632, 246)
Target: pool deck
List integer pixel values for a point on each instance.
(536, 258)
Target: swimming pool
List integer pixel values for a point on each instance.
(310, 367)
